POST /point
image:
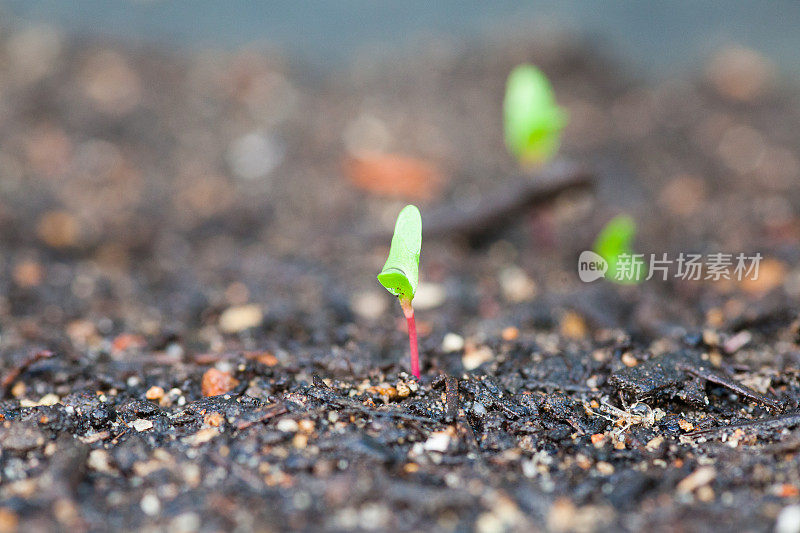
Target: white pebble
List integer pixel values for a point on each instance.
(517, 286)
(429, 296)
(150, 504)
(437, 442)
(452, 342)
(369, 305)
(474, 358)
(140, 424)
(788, 520)
(288, 425)
(255, 155)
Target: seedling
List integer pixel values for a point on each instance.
(614, 244)
(532, 119)
(400, 274)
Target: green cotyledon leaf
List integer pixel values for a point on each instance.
(532, 119)
(615, 244)
(400, 274)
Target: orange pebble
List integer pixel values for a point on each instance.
(216, 382)
(510, 333)
(127, 340)
(213, 419)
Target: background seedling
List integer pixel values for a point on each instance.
(400, 274)
(532, 119)
(614, 244)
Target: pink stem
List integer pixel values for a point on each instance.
(408, 311)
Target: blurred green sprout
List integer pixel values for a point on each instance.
(533, 121)
(400, 274)
(614, 244)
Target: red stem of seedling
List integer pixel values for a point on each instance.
(408, 311)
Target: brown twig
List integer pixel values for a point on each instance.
(451, 398)
(475, 219)
(270, 412)
(496, 209)
(791, 419)
(736, 387)
(12, 375)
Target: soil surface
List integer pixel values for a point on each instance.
(193, 338)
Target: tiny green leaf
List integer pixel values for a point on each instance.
(614, 244)
(400, 274)
(532, 119)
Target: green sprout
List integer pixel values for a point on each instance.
(532, 119)
(400, 274)
(614, 244)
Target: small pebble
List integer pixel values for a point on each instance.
(403, 390)
(216, 382)
(306, 426)
(787, 490)
(255, 155)
(154, 393)
(654, 443)
(58, 229)
(369, 305)
(202, 436)
(452, 342)
(788, 520)
(185, 523)
(510, 333)
(385, 390)
(240, 318)
(150, 504)
(213, 419)
(475, 357)
(438, 441)
(9, 521)
(429, 296)
(100, 461)
(771, 274)
(140, 424)
(604, 468)
(740, 74)
(516, 285)
(705, 494)
(700, 477)
(27, 274)
(18, 389)
(573, 326)
(287, 425)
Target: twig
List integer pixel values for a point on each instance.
(270, 412)
(451, 396)
(791, 419)
(738, 388)
(390, 414)
(495, 209)
(15, 372)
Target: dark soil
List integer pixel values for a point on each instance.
(162, 215)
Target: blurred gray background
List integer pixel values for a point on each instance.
(657, 37)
